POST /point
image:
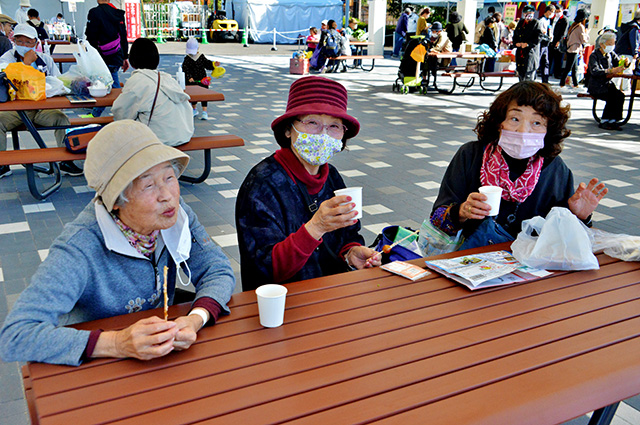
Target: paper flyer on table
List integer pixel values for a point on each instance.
(485, 270)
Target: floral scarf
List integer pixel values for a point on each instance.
(144, 244)
(495, 172)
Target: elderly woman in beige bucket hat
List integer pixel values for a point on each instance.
(109, 261)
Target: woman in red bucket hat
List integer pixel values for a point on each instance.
(290, 224)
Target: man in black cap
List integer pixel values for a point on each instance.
(526, 38)
(438, 43)
(561, 23)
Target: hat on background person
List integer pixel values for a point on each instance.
(4, 19)
(636, 17)
(408, 10)
(528, 9)
(25, 3)
(315, 95)
(25, 30)
(436, 26)
(121, 152)
(325, 21)
(192, 46)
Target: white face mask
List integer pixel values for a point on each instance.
(178, 242)
(608, 49)
(521, 145)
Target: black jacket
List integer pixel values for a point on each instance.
(5, 44)
(560, 30)
(527, 58)
(598, 65)
(42, 32)
(628, 39)
(105, 24)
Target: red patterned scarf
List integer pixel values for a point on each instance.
(495, 172)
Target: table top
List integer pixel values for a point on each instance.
(369, 345)
(458, 55)
(627, 76)
(56, 42)
(197, 94)
(361, 43)
(63, 57)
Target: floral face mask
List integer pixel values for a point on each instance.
(316, 149)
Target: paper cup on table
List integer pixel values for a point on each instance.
(494, 196)
(271, 300)
(356, 198)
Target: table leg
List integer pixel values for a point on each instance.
(205, 172)
(604, 416)
(31, 169)
(634, 83)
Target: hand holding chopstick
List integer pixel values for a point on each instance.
(387, 248)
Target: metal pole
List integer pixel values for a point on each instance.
(346, 12)
(274, 48)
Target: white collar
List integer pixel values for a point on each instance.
(177, 238)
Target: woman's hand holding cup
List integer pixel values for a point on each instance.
(331, 215)
(474, 207)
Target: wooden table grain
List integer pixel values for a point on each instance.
(370, 346)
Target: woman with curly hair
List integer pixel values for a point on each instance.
(519, 140)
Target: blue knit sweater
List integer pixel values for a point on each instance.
(82, 280)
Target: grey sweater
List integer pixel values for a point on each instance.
(82, 280)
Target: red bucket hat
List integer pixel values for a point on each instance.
(315, 95)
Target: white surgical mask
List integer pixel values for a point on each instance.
(22, 50)
(316, 149)
(608, 49)
(178, 242)
(521, 145)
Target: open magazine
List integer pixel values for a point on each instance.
(485, 270)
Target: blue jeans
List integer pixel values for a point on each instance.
(397, 46)
(96, 112)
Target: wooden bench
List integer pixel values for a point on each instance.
(29, 157)
(334, 67)
(593, 108)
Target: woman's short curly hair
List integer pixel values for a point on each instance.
(541, 98)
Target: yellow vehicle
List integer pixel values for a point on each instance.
(227, 29)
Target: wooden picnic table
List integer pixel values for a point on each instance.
(61, 58)
(371, 346)
(197, 94)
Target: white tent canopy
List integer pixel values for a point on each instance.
(289, 17)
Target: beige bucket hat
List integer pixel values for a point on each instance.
(122, 151)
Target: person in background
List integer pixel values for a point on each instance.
(195, 66)
(400, 33)
(107, 32)
(26, 38)
(519, 141)
(560, 25)
(500, 26)
(312, 39)
(109, 261)
(628, 45)
(438, 43)
(423, 26)
(291, 226)
(456, 31)
(58, 19)
(6, 33)
(21, 16)
(412, 25)
(526, 38)
(162, 105)
(577, 37)
(349, 29)
(506, 38)
(546, 24)
(34, 21)
(603, 63)
(491, 39)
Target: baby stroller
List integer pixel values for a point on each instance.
(410, 75)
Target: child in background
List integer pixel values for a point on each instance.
(312, 39)
(195, 66)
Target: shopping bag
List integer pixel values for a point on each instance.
(404, 251)
(433, 241)
(30, 83)
(55, 87)
(92, 65)
(562, 243)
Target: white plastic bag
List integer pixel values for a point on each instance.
(55, 87)
(621, 246)
(92, 65)
(562, 243)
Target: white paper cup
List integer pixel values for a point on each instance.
(494, 196)
(271, 300)
(356, 198)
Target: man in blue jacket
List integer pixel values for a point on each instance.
(401, 32)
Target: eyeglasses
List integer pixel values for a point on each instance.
(315, 127)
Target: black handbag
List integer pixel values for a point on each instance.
(5, 83)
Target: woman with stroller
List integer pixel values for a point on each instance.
(290, 225)
(519, 141)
